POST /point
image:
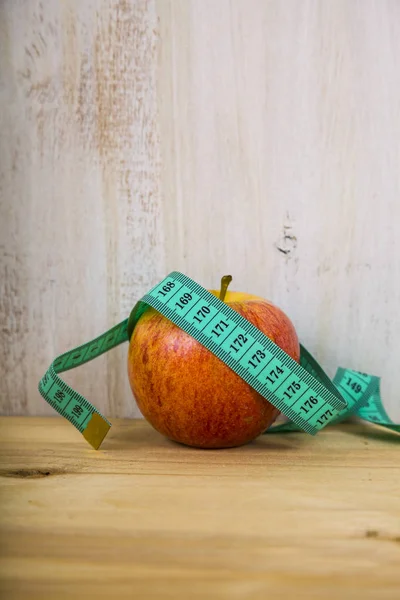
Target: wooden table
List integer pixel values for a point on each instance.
(289, 516)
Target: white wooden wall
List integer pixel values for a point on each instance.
(259, 138)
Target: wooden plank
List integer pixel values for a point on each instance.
(286, 516)
(280, 135)
(81, 223)
(252, 137)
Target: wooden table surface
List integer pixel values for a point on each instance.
(288, 516)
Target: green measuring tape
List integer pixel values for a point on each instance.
(302, 392)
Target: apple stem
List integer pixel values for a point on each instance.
(225, 281)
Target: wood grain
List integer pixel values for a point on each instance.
(280, 140)
(288, 516)
(81, 211)
(260, 138)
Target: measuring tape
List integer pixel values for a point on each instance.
(302, 392)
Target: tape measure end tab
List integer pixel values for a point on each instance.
(96, 430)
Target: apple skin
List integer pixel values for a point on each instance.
(191, 396)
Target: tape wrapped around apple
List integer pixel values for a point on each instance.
(188, 394)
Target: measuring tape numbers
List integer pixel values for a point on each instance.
(69, 403)
(302, 392)
(360, 390)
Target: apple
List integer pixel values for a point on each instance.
(191, 396)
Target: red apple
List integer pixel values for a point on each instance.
(191, 396)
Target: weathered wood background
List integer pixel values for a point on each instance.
(256, 137)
